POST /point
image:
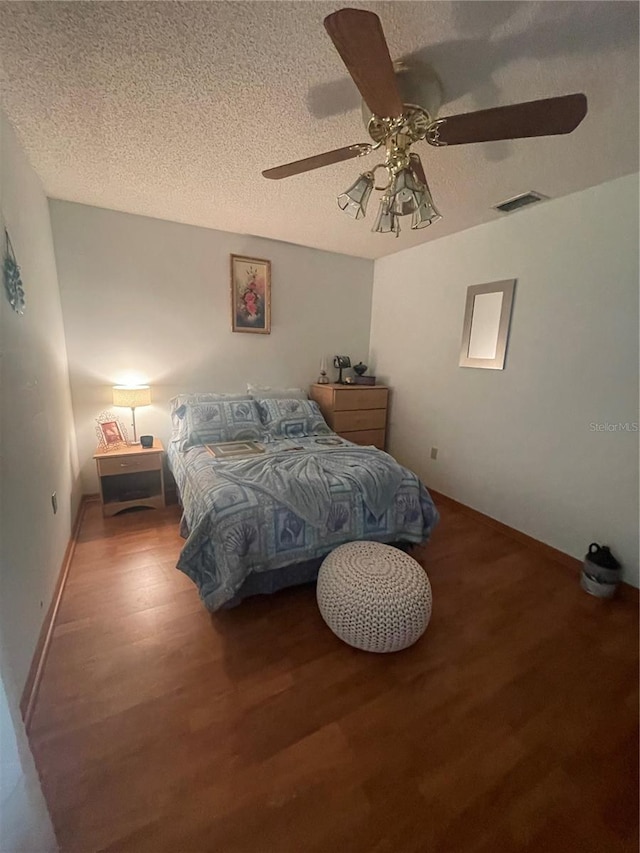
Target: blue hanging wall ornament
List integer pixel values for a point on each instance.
(11, 274)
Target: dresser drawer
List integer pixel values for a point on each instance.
(367, 437)
(127, 464)
(361, 419)
(347, 399)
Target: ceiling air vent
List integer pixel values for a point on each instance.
(519, 201)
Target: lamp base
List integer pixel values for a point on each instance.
(133, 419)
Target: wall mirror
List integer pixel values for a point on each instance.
(486, 324)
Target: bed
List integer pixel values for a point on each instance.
(257, 523)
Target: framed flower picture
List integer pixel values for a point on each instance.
(250, 295)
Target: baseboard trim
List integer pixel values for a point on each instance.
(625, 590)
(32, 685)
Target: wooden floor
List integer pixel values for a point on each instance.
(512, 725)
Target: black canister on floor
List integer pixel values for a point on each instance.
(600, 572)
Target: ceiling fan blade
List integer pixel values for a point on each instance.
(548, 117)
(317, 161)
(358, 37)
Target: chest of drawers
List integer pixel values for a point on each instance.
(356, 412)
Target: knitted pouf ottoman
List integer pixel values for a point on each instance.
(373, 596)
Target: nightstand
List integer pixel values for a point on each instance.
(356, 412)
(131, 476)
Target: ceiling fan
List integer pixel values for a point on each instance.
(395, 124)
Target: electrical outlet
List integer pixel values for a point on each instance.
(54, 502)
(434, 452)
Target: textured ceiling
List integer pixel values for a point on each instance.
(173, 109)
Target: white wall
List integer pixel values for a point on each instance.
(25, 826)
(38, 451)
(517, 444)
(152, 298)
(37, 457)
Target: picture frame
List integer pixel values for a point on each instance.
(485, 331)
(250, 295)
(226, 449)
(111, 432)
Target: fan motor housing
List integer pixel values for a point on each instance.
(421, 92)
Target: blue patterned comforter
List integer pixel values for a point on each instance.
(298, 501)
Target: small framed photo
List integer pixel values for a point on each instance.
(250, 295)
(110, 431)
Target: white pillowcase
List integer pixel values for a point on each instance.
(268, 392)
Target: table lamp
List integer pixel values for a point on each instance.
(132, 396)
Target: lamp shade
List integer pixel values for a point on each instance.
(405, 193)
(354, 200)
(426, 214)
(131, 396)
(386, 220)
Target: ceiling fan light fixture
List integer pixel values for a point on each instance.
(406, 193)
(401, 104)
(427, 213)
(354, 201)
(386, 221)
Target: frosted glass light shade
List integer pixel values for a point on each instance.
(426, 214)
(405, 194)
(354, 200)
(386, 220)
(131, 396)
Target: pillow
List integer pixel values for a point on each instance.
(292, 418)
(178, 404)
(221, 420)
(266, 392)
